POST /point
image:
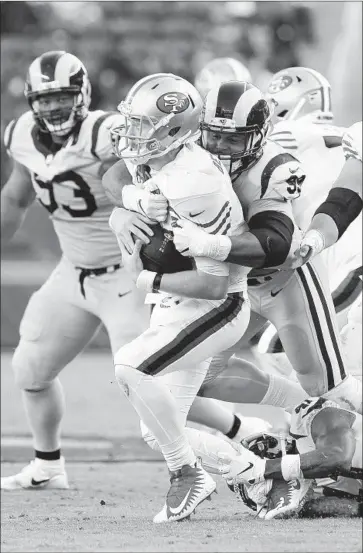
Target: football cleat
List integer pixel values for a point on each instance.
(38, 475)
(285, 499)
(189, 487)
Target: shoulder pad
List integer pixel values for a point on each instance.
(17, 130)
(94, 135)
(280, 173)
(303, 415)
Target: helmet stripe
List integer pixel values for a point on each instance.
(228, 96)
(48, 64)
(63, 69)
(35, 75)
(245, 104)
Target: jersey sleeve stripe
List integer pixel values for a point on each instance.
(217, 218)
(9, 132)
(226, 219)
(95, 131)
(332, 141)
(275, 162)
(277, 133)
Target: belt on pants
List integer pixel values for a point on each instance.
(258, 281)
(96, 272)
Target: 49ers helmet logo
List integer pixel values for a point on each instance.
(279, 84)
(173, 102)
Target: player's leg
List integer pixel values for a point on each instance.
(239, 378)
(181, 337)
(120, 306)
(52, 332)
(303, 313)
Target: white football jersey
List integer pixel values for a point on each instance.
(68, 183)
(300, 429)
(270, 185)
(352, 141)
(199, 189)
(319, 148)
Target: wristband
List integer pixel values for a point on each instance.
(290, 467)
(157, 282)
(131, 197)
(316, 240)
(145, 281)
(218, 247)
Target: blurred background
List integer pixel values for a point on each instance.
(120, 42)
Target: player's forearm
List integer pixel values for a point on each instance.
(12, 217)
(246, 251)
(319, 463)
(326, 226)
(191, 284)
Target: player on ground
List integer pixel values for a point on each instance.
(198, 312)
(218, 71)
(60, 150)
(298, 303)
(329, 444)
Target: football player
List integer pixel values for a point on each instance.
(60, 150)
(266, 179)
(302, 100)
(328, 445)
(218, 71)
(344, 202)
(197, 312)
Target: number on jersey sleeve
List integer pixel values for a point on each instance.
(283, 175)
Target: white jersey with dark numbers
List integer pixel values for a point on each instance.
(68, 184)
(270, 185)
(198, 189)
(318, 146)
(300, 429)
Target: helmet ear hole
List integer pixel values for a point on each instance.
(173, 131)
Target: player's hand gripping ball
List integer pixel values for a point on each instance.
(160, 254)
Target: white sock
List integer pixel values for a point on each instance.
(283, 393)
(157, 408)
(45, 410)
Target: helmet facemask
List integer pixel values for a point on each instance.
(143, 137)
(61, 120)
(247, 147)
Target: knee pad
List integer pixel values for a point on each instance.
(148, 437)
(127, 377)
(27, 365)
(347, 394)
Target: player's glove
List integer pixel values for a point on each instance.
(128, 225)
(245, 467)
(147, 201)
(190, 240)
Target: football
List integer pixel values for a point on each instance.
(161, 255)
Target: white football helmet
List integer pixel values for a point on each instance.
(54, 72)
(299, 91)
(218, 71)
(234, 124)
(161, 112)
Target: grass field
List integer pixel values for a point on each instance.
(113, 498)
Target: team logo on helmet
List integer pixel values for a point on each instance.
(173, 102)
(280, 84)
